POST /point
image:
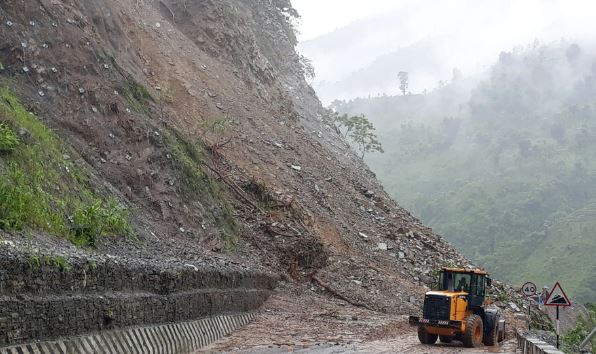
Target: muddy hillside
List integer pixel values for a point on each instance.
(193, 119)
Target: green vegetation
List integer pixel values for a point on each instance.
(265, 200)
(41, 188)
(503, 297)
(8, 139)
(573, 338)
(52, 261)
(57, 261)
(503, 168)
(137, 97)
(89, 222)
(34, 261)
(189, 162)
(91, 265)
(357, 129)
(215, 131)
(218, 125)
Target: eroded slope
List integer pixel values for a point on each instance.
(197, 117)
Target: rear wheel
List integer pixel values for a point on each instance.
(472, 336)
(425, 337)
(491, 335)
(502, 332)
(446, 339)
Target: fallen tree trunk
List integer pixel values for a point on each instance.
(338, 295)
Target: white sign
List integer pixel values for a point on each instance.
(557, 297)
(529, 289)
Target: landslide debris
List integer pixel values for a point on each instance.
(197, 117)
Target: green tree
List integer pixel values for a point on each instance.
(575, 336)
(357, 129)
(403, 81)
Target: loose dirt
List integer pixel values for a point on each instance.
(306, 206)
(303, 321)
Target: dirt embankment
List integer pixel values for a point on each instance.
(197, 116)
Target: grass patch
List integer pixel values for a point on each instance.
(573, 338)
(40, 189)
(8, 139)
(35, 262)
(92, 221)
(57, 261)
(198, 185)
(265, 199)
(137, 97)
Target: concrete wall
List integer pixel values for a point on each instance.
(535, 346)
(184, 337)
(44, 298)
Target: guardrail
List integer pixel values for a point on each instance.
(534, 346)
(587, 341)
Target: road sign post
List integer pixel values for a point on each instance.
(529, 290)
(558, 346)
(558, 298)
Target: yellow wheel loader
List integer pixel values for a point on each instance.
(457, 311)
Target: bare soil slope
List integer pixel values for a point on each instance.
(196, 115)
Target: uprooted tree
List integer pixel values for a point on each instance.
(358, 130)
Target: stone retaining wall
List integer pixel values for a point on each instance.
(39, 274)
(184, 337)
(44, 298)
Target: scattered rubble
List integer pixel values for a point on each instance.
(346, 226)
(382, 246)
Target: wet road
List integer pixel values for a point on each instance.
(404, 344)
(319, 325)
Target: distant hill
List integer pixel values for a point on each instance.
(422, 60)
(506, 169)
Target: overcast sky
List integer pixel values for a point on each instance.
(320, 17)
(323, 16)
(468, 34)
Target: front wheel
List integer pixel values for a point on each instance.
(425, 337)
(472, 336)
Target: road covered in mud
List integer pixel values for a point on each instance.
(306, 322)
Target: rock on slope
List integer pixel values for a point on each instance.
(196, 115)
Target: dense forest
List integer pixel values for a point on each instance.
(502, 165)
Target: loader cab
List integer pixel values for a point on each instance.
(473, 282)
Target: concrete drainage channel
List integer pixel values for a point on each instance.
(184, 337)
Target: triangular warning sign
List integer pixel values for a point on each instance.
(557, 297)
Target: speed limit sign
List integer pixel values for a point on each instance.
(529, 289)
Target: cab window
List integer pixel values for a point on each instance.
(480, 288)
(462, 282)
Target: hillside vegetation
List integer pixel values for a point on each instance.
(503, 167)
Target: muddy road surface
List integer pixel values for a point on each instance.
(307, 322)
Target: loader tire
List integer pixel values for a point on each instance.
(425, 337)
(491, 330)
(472, 336)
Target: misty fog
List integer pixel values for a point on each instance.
(426, 38)
(492, 141)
